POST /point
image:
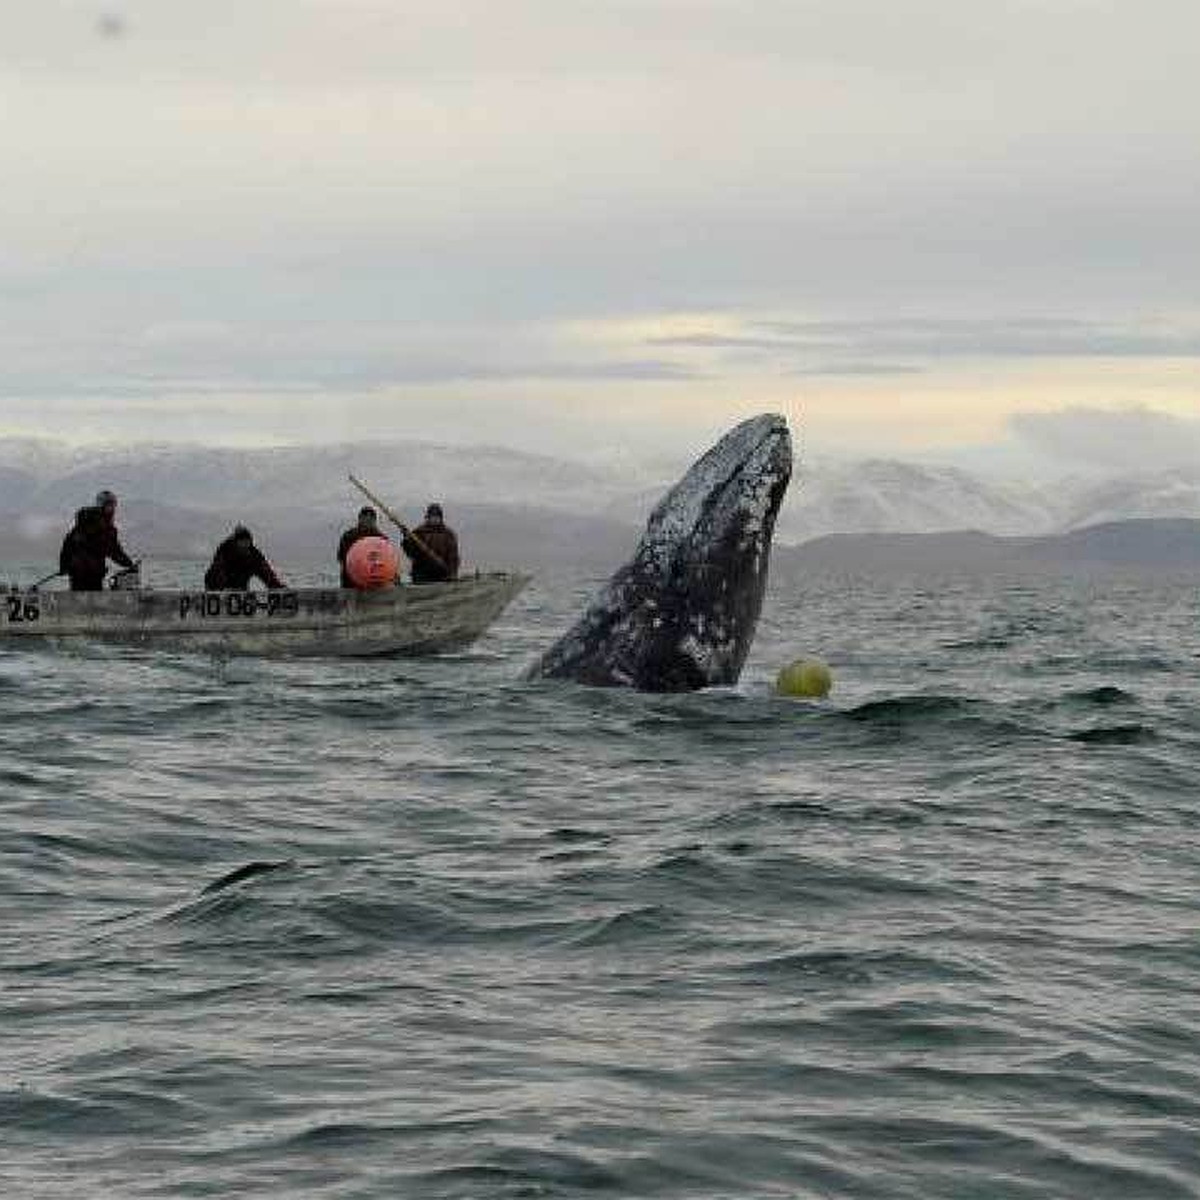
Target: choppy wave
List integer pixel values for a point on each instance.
(420, 929)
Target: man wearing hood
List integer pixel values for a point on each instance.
(367, 526)
(237, 561)
(90, 543)
(433, 548)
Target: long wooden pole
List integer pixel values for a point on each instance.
(400, 525)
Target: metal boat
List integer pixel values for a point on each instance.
(289, 622)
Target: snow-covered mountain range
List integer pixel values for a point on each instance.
(514, 507)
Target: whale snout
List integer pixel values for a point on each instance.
(681, 614)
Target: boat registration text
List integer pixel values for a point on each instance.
(238, 604)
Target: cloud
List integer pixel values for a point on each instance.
(1021, 337)
(890, 346)
(1133, 440)
(341, 197)
(596, 158)
(314, 355)
(850, 369)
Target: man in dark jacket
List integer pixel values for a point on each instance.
(236, 562)
(433, 548)
(90, 543)
(368, 526)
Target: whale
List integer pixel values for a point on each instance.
(681, 613)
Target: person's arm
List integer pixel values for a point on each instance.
(214, 577)
(452, 554)
(266, 572)
(67, 554)
(116, 551)
(422, 544)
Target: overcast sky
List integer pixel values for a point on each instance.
(916, 226)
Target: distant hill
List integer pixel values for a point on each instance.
(40, 476)
(888, 496)
(496, 535)
(1168, 543)
(177, 502)
(538, 510)
(1142, 542)
(1171, 493)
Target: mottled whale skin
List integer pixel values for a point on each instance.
(681, 614)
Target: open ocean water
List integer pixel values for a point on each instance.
(938, 936)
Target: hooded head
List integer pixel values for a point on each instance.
(434, 514)
(89, 517)
(368, 518)
(106, 502)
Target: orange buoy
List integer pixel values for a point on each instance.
(372, 562)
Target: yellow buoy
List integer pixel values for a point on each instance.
(805, 677)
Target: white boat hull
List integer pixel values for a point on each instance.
(299, 622)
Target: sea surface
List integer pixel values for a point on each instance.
(936, 936)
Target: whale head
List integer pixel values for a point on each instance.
(681, 613)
